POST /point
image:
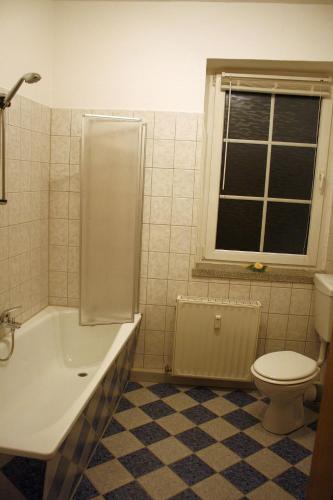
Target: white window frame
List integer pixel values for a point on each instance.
(213, 150)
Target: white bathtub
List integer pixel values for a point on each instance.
(41, 392)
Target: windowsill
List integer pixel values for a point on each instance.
(239, 272)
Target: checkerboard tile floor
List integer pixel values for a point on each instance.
(184, 443)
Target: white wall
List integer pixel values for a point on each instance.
(152, 55)
(26, 44)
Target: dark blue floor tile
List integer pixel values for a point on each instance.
(192, 469)
(294, 482)
(290, 450)
(20, 470)
(199, 414)
(150, 433)
(244, 477)
(241, 419)
(124, 404)
(196, 439)
(130, 491)
(186, 495)
(85, 490)
(132, 386)
(100, 456)
(157, 409)
(201, 394)
(242, 444)
(114, 427)
(239, 398)
(163, 390)
(140, 462)
(313, 425)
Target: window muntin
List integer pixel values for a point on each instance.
(268, 166)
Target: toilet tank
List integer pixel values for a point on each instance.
(324, 305)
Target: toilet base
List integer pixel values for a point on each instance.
(285, 412)
(284, 417)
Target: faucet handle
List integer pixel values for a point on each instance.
(5, 314)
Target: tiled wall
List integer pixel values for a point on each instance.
(24, 220)
(172, 192)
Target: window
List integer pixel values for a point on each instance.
(267, 154)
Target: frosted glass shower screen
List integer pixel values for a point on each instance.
(111, 208)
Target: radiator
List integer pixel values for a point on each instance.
(215, 338)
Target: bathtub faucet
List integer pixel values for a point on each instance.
(7, 321)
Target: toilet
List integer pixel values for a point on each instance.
(286, 377)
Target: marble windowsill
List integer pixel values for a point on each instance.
(239, 272)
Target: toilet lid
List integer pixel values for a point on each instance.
(285, 365)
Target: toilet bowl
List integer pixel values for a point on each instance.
(284, 377)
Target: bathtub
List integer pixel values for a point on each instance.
(60, 388)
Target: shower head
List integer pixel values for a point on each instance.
(31, 77)
(27, 78)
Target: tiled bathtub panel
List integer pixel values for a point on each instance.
(59, 476)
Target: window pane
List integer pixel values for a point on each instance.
(239, 225)
(249, 116)
(292, 171)
(287, 228)
(295, 118)
(245, 169)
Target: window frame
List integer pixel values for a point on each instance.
(215, 102)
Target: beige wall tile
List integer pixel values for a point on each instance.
(277, 326)
(156, 291)
(59, 177)
(159, 238)
(158, 265)
(175, 288)
(163, 153)
(185, 152)
(183, 183)
(58, 232)
(218, 290)
(180, 241)
(60, 148)
(154, 342)
(198, 288)
(59, 204)
(182, 211)
(162, 182)
(239, 291)
(178, 266)
(60, 121)
(300, 301)
(280, 300)
(261, 293)
(75, 150)
(58, 258)
(58, 284)
(165, 125)
(160, 210)
(155, 317)
(297, 327)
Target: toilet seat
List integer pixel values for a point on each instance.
(285, 368)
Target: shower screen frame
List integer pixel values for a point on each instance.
(138, 218)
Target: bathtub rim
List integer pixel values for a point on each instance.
(49, 441)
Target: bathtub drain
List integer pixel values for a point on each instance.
(82, 374)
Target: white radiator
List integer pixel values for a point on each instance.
(215, 338)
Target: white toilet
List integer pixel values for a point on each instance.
(286, 376)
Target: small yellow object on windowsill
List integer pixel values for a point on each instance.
(257, 267)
